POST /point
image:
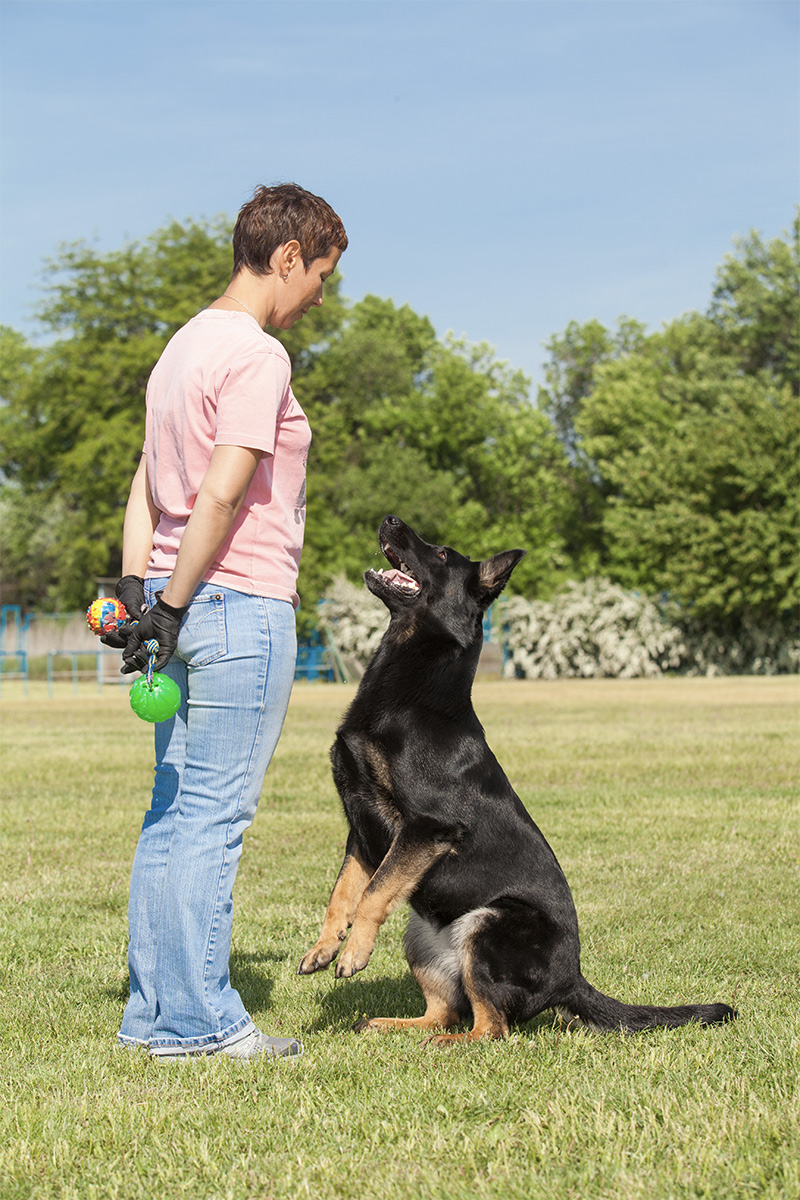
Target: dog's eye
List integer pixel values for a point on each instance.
(442, 554)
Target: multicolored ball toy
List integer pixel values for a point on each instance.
(105, 614)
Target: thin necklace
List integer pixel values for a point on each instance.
(238, 301)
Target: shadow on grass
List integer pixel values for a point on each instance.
(253, 983)
(119, 991)
(351, 999)
(348, 1000)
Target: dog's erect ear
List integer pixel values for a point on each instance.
(495, 573)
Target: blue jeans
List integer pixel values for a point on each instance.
(235, 667)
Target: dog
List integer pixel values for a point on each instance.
(493, 935)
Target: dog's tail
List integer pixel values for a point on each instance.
(604, 1013)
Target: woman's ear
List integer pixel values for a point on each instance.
(286, 257)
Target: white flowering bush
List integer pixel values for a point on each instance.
(589, 629)
(354, 618)
(596, 628)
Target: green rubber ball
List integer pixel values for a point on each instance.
(156, 703)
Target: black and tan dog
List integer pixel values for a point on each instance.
(493, 936)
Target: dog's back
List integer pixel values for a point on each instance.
(434, 820)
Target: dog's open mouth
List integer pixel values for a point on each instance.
(400, 575)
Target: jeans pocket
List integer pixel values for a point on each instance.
(203, 634)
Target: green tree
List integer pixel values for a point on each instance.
(700, 464)
(570, 376)
(574, 357)
(756, 305)
(473, 420)
(685, 442)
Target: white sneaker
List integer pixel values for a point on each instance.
(257, 1045)
(253, 1045)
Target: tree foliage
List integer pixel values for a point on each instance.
(701, 467)
(693, 437)
(575, 355)
(667, 461)
(756, 306)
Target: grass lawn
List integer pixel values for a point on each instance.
(673, 808)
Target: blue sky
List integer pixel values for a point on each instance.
(503, 166)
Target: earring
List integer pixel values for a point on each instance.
(285, 277)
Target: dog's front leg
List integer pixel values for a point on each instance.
(347, 892)
(408, 859)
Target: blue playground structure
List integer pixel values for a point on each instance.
(313, 661)
(13, 640)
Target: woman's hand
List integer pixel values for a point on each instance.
(161, 622)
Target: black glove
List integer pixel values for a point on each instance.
(130, 590)
(161, 622)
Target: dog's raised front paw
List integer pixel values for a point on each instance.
(352, 960)
(318, 958)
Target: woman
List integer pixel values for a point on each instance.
(211, 545)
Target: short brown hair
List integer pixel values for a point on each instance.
(281, 214)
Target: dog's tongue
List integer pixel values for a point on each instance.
(399, 578)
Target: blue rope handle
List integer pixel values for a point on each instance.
(151, 647)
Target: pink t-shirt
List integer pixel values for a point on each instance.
(222, 381)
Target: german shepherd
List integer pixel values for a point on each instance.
(493, 936)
